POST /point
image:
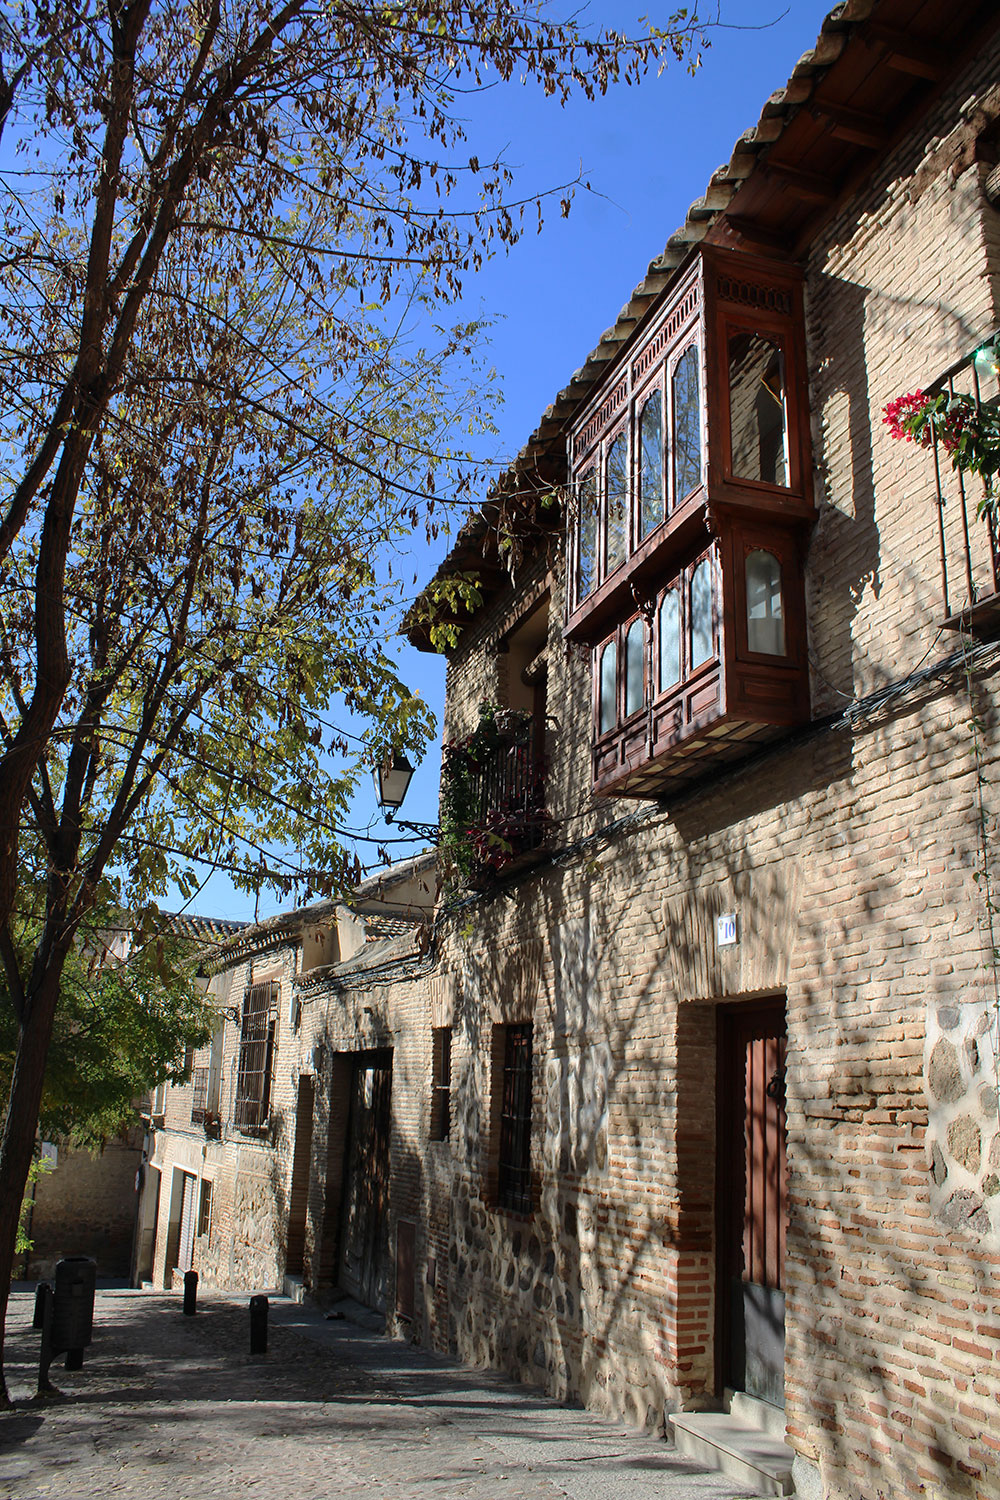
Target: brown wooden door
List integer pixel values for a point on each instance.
(299, 1196)
(364, 1225)
(753, 1199)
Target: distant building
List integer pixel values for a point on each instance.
(227, 1183)
(85, 1202)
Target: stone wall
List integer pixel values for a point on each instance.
(86, 1206)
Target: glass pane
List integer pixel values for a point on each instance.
(702, 648)
(651, 478)
(670, 640)
(635, 667)
(608, 711)
(586, 563)
(757, 409)
(616, 491)
(765, 618)
(687, 425)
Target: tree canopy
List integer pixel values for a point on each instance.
(130, 1005)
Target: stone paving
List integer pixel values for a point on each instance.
(168, 1406)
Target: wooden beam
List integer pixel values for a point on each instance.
(907, 54)
(808, 185)
(853, 125)
(755, 233)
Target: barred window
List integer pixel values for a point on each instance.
(253, 1080)
(199, 1095)
(441, 1083)
(514, 1159)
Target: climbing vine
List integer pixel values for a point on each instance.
(492, 797)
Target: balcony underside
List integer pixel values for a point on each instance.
(981, 619)
(713, 718)
(727, 740)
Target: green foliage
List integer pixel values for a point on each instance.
(491, 797)
(121, 1028)
(967, 430)
(40, 1166)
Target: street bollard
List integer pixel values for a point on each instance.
(190, 1293)
(258, 1325)
(41, 1289)
(44, 1300)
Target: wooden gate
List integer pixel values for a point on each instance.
(364, 1239)
(752, 1185)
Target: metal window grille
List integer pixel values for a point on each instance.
(514, 1159)
(253, 1080)
(441, 1083)
(199, 1095)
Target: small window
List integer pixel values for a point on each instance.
(651, 464)
(514, 1158)
(199, 1095)
(635, 667)
(157, 1103)
(670, 640)
(253, 1079)
(440, 1083)
(765, 617)
(586, 561)
(616, 508)
(188, 1063)
(205, 1208)
(702, 642)
(757, 409)
(607, 712)
(687, 425)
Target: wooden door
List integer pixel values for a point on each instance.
(753, 1199)
(364, 1239)
(298, 1200)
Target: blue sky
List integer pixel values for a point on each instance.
(647, 152)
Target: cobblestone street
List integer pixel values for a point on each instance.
(169, 1406)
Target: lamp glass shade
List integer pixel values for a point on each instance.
(392, 778)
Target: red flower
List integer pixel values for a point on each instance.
(904, 418)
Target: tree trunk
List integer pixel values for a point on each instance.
(18, 1142)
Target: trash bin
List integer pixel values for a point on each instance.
(73, 1303)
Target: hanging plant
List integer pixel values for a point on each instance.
(491, 796)
(968, 431)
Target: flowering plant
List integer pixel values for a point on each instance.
(491, 796)
(967, 430)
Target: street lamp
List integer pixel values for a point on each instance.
(392, 777)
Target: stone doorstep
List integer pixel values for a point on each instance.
(756, 1413)
(292, 1288)
(730, 1444)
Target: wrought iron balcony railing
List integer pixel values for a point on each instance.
(493, 794)
(968, 542)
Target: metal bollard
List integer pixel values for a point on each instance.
(44, 1300)
(190, 1293)
(258, 1325)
